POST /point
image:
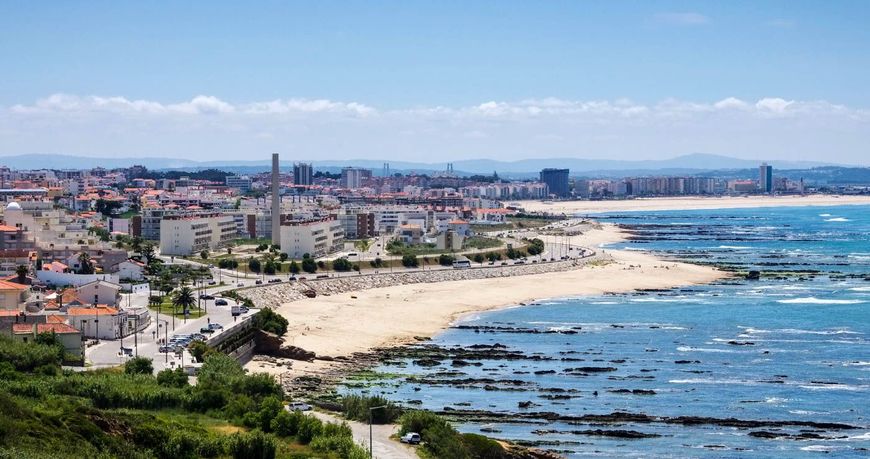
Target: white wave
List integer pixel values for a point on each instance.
(736, 247)
(656, 300)
(860, 289)
(741, 382)
(856, 364)
(809, 413)
(864, 436)
(603, 302)
(824, 215)
(705, 349)
(798, 331)
(838, 386)
(776, 400)
(837, 219)
(814, 300)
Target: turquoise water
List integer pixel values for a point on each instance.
(790, 349)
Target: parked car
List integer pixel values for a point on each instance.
(298, 406)
(236, 310)
(259, 282)
(206, 330)
(215, 326)
(165, 349)
(212, 283)
(206, 296)
(274, 281)
(240, 284)
(127, 350)
(220, 302)
(411, 438)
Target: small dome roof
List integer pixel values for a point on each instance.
(13, 206)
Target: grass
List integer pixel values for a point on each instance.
(482, 242)
(166, 309)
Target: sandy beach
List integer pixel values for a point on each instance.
(346, 323)
(689, 203)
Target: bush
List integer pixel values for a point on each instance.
(29, 356)
(342, 265)
(535, 247)
(409, 261)
(254, 265)
(309, 427)
(286, 424)
(172, 378)
(418, 421)
(478, 258)
(199, 350)
(357, 407)
(441, 440)
(480, 447)
(294, 267)
(139, 366)
(377, 263)
(270, 321)
(252, 445)
(445, 260)
(309, 265)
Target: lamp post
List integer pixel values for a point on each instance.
(371, 445)
(165, 338)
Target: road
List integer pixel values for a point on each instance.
(384, 446)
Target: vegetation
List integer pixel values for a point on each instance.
(270, 321)
(446, 260)
(441, 440)
(409, 261)
(535, 246)
(139, 366)
(358, 407)
(342, 265)
(308, 264)
(481, 242)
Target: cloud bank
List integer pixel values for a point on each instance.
(207, 127)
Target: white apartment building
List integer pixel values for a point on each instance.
(314, 237)
(192, 234)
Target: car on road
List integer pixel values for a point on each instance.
(127, 351)
(220, 302)
(298, 406)
(212, 283)
(206, 330)
(504, 263)
(274, 281)
(411, 438)
(236, 311)
(240, 284)
(165, 349)
(215, 326)
(206, 296)
(259, 282)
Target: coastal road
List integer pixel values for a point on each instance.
(384, 446)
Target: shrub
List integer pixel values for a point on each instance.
(409, 261)
(286, 424)
(309, 265)
(418, 421)
(172, 378)
(441, 440)
(294, 267)
(270, 321)
(254, 265)
(445, 260)
(139, 366)
(480, 447)
(357, 407)
(309, 427)
(252, 445)
(342, 265)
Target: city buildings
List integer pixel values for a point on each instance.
(353, 177)
(186, 235)
(313, 237)
(765, 178)
(303, 174)
(556, 181)
(242, 183)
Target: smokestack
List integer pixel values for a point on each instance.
(276, 202)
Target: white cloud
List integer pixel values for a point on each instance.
(207, 127)
(682, 19)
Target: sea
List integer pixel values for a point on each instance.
(774, 367)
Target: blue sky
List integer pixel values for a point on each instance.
(406, 62)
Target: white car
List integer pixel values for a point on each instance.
(411, 438)
(298, 406)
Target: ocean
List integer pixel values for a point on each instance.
(774, 367)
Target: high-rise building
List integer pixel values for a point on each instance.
(765, 178)
(353, 177)
(556, 181)
(303, 174)
(241, 182)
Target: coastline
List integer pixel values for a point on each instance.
(355, 323)
(693, 203)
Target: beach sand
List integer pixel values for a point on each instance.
(648, 204)
(342, 324)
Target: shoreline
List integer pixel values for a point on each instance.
(344, 328)
(692, 203)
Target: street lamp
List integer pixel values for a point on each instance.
(371, 445)
(166, 337)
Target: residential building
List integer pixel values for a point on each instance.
(314, 237)
(99, 292)
(353, 177)
(239, 182)
(765, 178)
(556, 181)
(189, 235)
(13, 296)
(68, 336)
(303, 174)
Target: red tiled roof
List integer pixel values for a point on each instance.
(43, 328)
(6, 285)
(100, 310)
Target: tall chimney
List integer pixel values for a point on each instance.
(276, 202)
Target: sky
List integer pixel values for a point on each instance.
(437, 81)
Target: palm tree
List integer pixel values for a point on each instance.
(86, 266)
(184, 298)
(21, 271)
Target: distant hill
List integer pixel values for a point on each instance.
(686, 164)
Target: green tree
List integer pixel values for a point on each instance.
(203, 254)
(445, 260)
(294, 267)
(86, 266)
(21, 271)
(254, 265)
(172, 378)
(184, 299)
(342, 265)
(309, 265)
(139, 366)
(479, 258)
(409, 261)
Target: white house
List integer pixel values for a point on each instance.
(100, 322)
(129, 269)
(100, 292)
